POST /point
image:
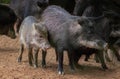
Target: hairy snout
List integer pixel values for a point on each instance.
(45, 45)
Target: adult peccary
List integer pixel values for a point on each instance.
(7, 21)
(96, 6)
(67, 32)
(24, 8)
(33, 35)
(106, 26)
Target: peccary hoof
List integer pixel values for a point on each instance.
(19, 59)
(61, 72)
(104, 67)
(43, 66)
(35, 66)
(30, 63)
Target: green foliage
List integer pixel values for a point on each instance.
(4, 1)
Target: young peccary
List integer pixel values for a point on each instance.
(67, 32)
(33, 36)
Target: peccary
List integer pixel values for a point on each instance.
(7, 21)
(96, 6)
(93, 5)
(33, 35)
(67, 32)
(24, 8)
(106, 26)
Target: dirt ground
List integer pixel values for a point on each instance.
(11, 69)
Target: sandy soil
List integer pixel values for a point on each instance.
(11, 69)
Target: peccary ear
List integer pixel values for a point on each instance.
(84, 20)
(42, 4)
(40, 27)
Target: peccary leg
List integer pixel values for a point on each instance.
(96, 58)
(30, 56)
(101, 57)
(76, 57)
(116, 53)
(21, 52)
(56, 55)
(70, 57)
(35, 58)
(44, 58)
(107, 56)
(60, 60)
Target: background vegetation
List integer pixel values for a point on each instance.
(4, 1)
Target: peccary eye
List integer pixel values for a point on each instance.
(40, 36)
